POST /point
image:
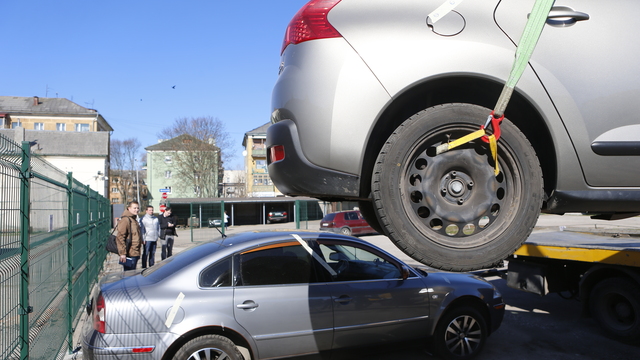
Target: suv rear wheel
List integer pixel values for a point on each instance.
(451, 211)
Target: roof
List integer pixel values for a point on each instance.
(34, 105)
(277, 199)
(175, 143)
(261, 130)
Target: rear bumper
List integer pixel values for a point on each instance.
(295, 175)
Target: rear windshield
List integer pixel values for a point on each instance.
(174, 263)
(329, 217)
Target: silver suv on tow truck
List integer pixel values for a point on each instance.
(368, 89)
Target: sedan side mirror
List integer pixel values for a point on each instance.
(405, 272)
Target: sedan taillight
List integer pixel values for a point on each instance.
(99, 315)
(311, 23)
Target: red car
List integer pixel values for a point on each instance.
(346, 222)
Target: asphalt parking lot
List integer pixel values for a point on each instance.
(533, 328)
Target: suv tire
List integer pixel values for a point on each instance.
(451, 211)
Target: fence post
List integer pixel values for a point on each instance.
(70, 258)
(25, 308)
(296, 211)
(224, 227)
(90, 230)
(190, 221)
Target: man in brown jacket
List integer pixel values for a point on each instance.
(129, 228)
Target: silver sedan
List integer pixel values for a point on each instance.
(280, 294)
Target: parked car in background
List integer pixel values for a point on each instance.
(368, 90)
(221, 298)
(349, 222)
(213, 222)
(277, 216)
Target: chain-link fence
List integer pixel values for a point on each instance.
(52, 233)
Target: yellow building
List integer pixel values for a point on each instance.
(258, 182)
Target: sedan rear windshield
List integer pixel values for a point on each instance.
(173, 264)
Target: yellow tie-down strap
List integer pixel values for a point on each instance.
(493, 144)
(604, 256)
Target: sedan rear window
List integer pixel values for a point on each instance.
(217, 275)
(276, 265)
(329, 217)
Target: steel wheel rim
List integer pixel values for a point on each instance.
(209, 354)
(455, 197)
(463, 335)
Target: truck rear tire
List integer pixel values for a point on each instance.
(615, 303)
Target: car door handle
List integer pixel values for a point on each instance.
(343, 299)
(565, 16)
(247, 305)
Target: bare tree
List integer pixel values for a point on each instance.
(209, 129)
(196, 164)
(123, 166)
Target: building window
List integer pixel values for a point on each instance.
(38, 126)
(114, 190)
(167, 159)
(259, 144)
(262, 180)
(82, 127)
(61, 126)
(115, 200)
(15, 124)
(167, 174)
(261, 164)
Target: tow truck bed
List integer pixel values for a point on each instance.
(602, 270)
(577, 246)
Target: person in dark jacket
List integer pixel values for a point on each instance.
(129, 228)
(167, 232)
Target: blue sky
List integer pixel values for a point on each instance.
(122, 58)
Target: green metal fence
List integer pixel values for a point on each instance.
(52, 234)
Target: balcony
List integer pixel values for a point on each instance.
(263, 188)
(259, 153)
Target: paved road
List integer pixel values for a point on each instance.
(534, 327)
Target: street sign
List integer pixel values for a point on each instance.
(163, 207)
(164, 195)
(167, 190)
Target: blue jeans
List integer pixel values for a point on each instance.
(134, 263)
(167, 249)
(149, 253)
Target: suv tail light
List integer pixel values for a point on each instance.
(284, 213)
(276, 153)
(311, 23)
(98, 315)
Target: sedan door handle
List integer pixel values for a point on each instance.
(565, 16)
(247, 305)
(343, 299)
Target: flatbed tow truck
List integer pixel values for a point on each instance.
(600, 268)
